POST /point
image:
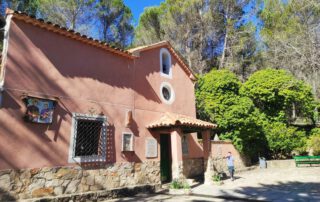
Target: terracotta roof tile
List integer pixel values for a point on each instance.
(171, 120)
(67, 32)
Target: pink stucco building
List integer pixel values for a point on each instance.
(116, 118)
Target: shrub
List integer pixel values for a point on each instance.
(314, 142)
(282, 140)
(216, 177)
(179, 184)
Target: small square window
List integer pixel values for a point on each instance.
(88, 138)
(127, 142)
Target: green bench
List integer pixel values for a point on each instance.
(306, 160)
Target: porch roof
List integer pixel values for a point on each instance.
(183, 121)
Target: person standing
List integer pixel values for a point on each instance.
(230, 164)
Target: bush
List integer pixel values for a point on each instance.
(282, 140)
(314, 142)
(218, 101)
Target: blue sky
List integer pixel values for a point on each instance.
(137, 6)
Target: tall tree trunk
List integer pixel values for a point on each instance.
(224, 50)
(225, 40)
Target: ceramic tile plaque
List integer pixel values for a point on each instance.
(39, 110)
(151, 148)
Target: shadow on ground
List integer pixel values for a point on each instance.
(290, 191)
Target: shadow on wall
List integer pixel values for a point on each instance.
(115, 72)
(37, 137)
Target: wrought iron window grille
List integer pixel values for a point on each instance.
(88, 138)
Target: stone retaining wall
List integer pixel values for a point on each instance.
(58, 181)
(290, 163)
(193, 167)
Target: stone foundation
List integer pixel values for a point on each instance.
(59, 181)
(193, 167)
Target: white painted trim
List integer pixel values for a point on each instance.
(165, 51)
(172, 94)
(5, 49)
(94, 158)
(132, 141)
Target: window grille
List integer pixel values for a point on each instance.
(89, 138)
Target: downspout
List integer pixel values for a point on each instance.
(4, 54)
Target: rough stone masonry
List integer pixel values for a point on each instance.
(59, 181)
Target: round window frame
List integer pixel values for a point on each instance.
(171, 91)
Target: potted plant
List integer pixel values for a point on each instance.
(179, 187)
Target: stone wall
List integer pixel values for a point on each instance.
(59, 181)
(219, 150)
(290, 163)
(193, 167)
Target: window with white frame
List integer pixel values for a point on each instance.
(167, 93)
(165, 63)
(88, 138)
(127, 142)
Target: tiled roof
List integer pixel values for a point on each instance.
(167, 44)
(171, 120)
(67, 32)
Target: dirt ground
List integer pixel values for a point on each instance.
(285, 184)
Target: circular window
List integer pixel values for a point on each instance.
(167, 93)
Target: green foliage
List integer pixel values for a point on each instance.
(291, 37)
(198, 29)
(314, 141)
(279, 95)
(179, 184)
(115, 22)
(216, 178)
(218, 100)
(256, 115)
(149, 28)
(282, 140)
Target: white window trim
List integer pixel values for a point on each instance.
(172, 94)
(94, 158)
(132, 142)
(5, 50)
(164, 50)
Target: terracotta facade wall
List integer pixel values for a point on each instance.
(87, 80)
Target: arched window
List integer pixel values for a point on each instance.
(165, 63)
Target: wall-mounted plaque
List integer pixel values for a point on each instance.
(151, 148)
(127, 142)
(39, 110)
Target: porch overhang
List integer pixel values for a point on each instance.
(187, 124)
